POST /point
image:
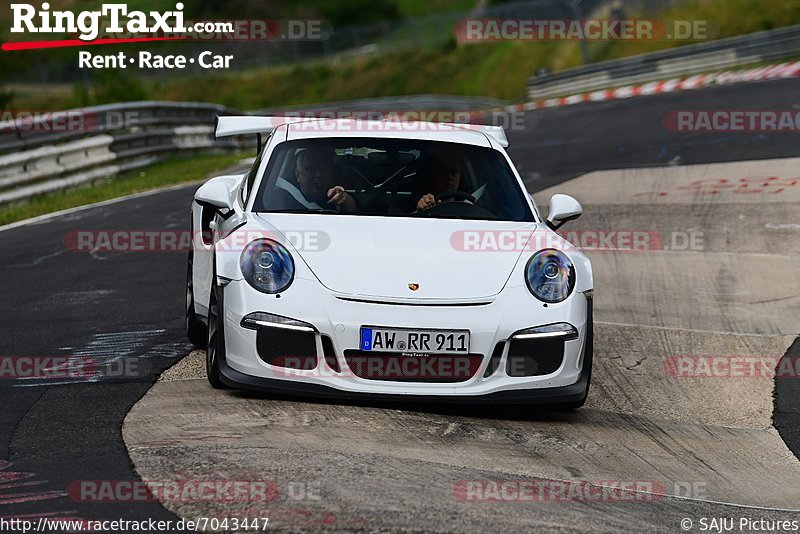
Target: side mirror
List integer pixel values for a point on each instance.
(563, 208)
(215, 194)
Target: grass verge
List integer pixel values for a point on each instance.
(168, 172)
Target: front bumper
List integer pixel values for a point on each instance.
(340, 320)
(559, 395)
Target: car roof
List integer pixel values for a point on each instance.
(430, 131)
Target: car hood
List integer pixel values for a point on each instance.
(400, 258)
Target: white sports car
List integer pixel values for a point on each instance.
(404, 260)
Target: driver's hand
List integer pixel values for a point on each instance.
(427, 201)
(341, 199)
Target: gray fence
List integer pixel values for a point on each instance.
(682, 61)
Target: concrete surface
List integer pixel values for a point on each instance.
(387, 467)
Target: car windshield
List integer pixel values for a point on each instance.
(391, 177)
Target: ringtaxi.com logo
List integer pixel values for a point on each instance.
(26, 18)
(117, 22)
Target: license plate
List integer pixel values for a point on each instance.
(378, 339)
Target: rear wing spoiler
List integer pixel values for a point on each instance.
(495, 132)
(250, 124)
(228, 125)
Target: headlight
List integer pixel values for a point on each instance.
(550, 275)
(267, 266)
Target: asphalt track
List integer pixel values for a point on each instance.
(394, 467)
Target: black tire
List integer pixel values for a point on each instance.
(215, 346)
(196, 330)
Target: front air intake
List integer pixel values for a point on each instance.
(292, 349)
(534, 357)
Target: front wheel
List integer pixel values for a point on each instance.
(215, 348)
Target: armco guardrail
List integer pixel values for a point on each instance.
(97, 157)
(31, 165)
(682, 61)
(109, 139)
(35, 160)
(28, 133)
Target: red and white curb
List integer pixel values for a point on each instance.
(783, 70)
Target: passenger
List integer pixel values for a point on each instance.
(314, 174)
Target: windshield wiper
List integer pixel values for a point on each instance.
(309, 210)
(488, 217)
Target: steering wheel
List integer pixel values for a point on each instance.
(456, 195)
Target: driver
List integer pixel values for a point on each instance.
(443, 176)
(314, 174)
